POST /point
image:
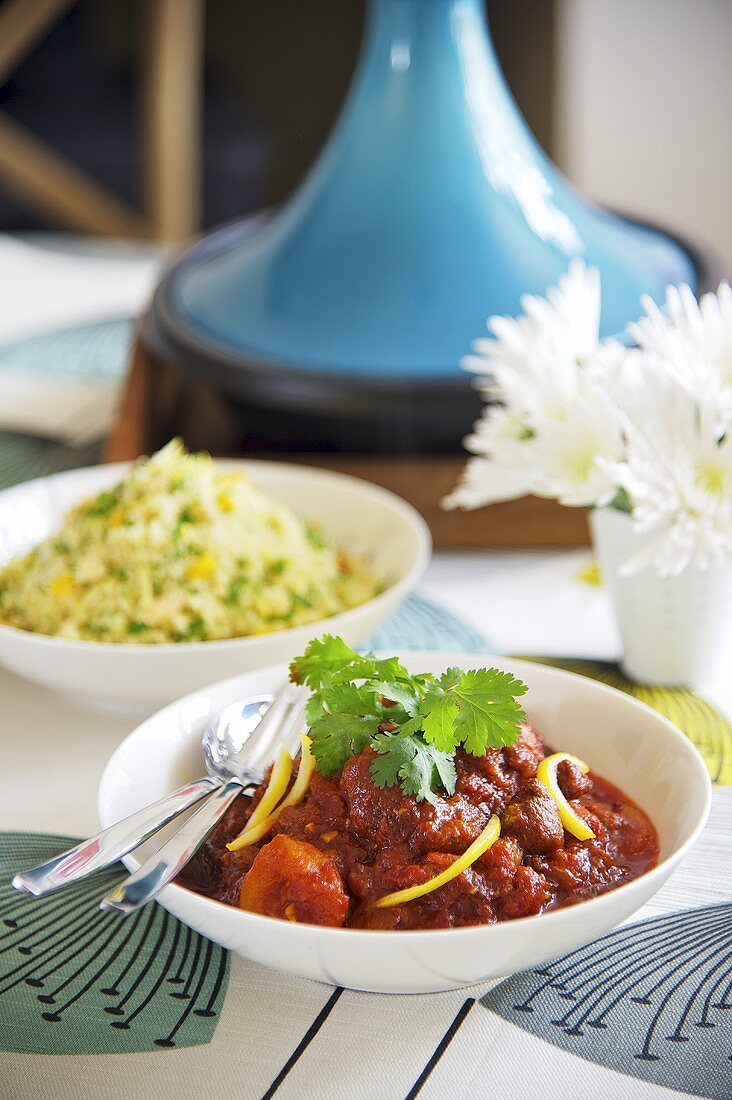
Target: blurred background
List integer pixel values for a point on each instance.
(130, 127)
(632, 98)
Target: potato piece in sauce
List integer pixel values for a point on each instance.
(294, 880)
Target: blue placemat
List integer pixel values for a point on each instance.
(94, 353)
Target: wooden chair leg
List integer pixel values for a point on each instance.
(58, 190)
(173, 82)
(22, 23)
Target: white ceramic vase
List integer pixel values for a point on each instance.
(675, 631)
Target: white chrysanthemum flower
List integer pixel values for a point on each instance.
(677, 473)
(570, 312)
(531, 367)
(491, 480)
(566, 323)
(694, 340)
(576, 454)
(589, 423)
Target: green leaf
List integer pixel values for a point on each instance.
(391, 754)
(322, 658)
(337, 737)
(351, 699)
(489, 715)
(399, 691)
(365, 666)
(445, 768)
(450, 678)
(315, 707)
(412, 763)
(439, 713)
(429, 716)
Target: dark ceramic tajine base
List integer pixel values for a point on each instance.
(294, 408)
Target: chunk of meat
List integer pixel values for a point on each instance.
(500, 863)
(524, 754)
(450, 824)
(296, 881)
(529, 893)
(571, 779)
(321, 820)
(385, 817)
(581, 869)
(464, 900)
(491, 780)
(533, 819)
(218, 872)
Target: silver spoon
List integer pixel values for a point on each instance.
(230, 752)
(281, 725)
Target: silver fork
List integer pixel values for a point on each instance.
(281, 725)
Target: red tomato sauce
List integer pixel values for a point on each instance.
(327, 860)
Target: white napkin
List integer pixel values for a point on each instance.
(45, 288)
(74, 413)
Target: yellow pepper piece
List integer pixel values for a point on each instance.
(62, 585)
(255, 830)
(546, 773)
(480, 845)
(276, 787)
(202, 568)
(225, 502)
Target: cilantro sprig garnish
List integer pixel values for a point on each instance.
(414, 724)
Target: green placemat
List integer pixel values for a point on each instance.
(96, 353)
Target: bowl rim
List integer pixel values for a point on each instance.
(555, 917)
(398, 590)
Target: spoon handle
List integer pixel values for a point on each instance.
(110, 845)
(162, 867)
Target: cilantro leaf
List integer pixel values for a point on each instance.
(367, 667)
(450, 678)
(413, 764)
(337, 737)
(438, 712)
(399, 691)
(488, 715)
(322, 658)
(416, 735)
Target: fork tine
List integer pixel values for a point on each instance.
(292, 727)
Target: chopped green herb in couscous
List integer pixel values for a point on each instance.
(178, 551)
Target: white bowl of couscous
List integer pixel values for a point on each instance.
(136, 584)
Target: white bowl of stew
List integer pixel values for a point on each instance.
(644, 770)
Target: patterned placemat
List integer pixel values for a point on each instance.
(96, 352)
(650, 999)
(74, 981)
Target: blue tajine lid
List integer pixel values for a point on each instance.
(431, 207)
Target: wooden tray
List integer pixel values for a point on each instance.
(158, 403)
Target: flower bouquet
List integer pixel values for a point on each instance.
(642, 436)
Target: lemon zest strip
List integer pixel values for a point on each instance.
(258, 825)
(481, 844)
(274, 791)
(546, 773)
